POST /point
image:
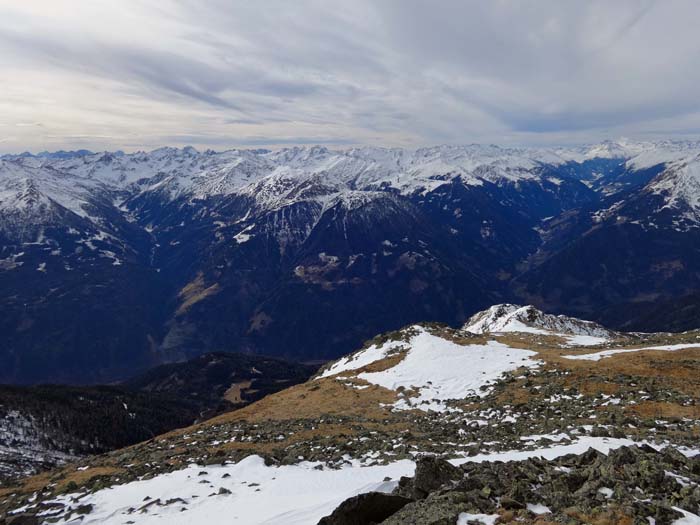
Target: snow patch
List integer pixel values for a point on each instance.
(363, 358)
(439, 370)
(293, 494)
(486, 519)
(607, 353)
(538, 508)
(688, 518)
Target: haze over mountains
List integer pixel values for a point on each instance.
(112, 263)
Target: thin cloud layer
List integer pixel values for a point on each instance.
(136, 74)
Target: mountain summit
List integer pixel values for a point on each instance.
(503, 318)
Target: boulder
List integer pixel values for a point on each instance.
(365, 509)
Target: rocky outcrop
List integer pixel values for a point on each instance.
(630, 485)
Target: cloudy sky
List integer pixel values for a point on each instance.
(136, 74)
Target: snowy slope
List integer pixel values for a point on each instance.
(274, 179)
(30, 190)
(432, 369)
(441, 370)
(680, 186)
(24, 445)
(257, 494)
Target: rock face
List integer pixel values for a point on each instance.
(112, 263)
(432, 473)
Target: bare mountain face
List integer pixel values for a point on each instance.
(517, 416)
(111, 263)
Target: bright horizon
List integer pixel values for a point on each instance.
(340, 148)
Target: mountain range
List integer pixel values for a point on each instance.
(111, 263)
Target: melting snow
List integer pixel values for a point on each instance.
(607, 353)
(688, 518)
(601, 444)
(486, 519)
(363, 358)
(265, 495)
(293, 494)
(440, 370)
(585, 340)
(538, 508)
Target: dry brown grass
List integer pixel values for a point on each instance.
(309, 400)
(664, 410)
(609, 517)
(234, 394)
(679, 370)
(195, 291)
(62, 478)
(81, 477)
(514, 394)
(591, 388)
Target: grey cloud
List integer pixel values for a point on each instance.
(265, 140)
(397, 71)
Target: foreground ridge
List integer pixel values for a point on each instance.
(441, 425)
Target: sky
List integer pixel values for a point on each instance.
(139, 74)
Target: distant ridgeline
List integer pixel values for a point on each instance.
(111, 263)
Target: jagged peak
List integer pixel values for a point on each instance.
(680, 183)
(191, 174)
(517, 318)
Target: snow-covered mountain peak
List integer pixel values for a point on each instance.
(680, 185)
(610, 149)
(35, 193)
(274, 179)
(515, 318)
